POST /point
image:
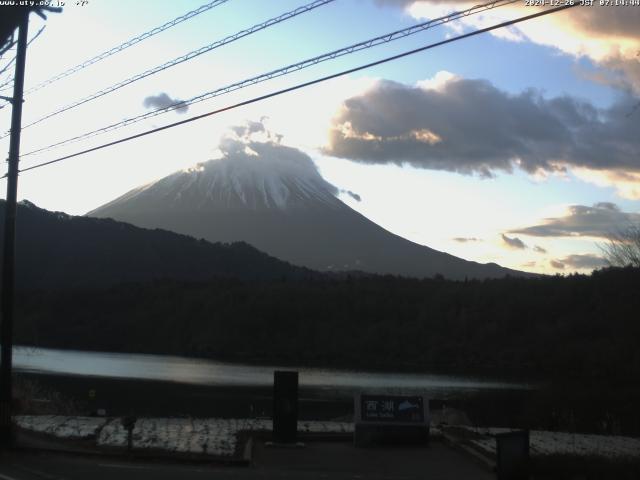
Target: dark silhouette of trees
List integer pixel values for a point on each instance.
(623, 247)
(574, 327)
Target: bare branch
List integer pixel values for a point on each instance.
(623, 247)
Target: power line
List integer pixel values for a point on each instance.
(305, 84)
(7, 65)
(189, 56)
(386, 38)
(127, 44)
(10, 62)
(7, 46)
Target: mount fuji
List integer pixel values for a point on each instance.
(273, 197)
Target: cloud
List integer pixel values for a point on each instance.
(162, 101)
(514, 242)
(539, 249)
(466, 239)
(249, 128)
(626, 183)
(583, 261)
(252, 131)
(587, 261)
(599, 220)
(471, 127)
(394, 3)
(608, 36)
(353, 195)
(255, 146)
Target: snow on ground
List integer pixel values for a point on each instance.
(209, 436)
(61, 426)
(543, 443)
(219, 436)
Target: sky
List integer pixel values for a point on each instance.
(520, 146)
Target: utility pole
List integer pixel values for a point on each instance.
(8, 259)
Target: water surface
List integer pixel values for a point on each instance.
(214, 373)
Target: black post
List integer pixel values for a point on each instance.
(512, 455)
(285, 406)
(8, 259)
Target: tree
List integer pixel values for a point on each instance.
(623, 247)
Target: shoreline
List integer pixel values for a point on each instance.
(514, 375)
(147, 398)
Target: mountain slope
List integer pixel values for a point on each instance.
(273, 197)
(54, 249)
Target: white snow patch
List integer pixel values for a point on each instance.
(257, 175)
(61, 426)
(544, 443)
(208, 436)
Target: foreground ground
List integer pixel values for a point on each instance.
(317, 460)
(328, 452)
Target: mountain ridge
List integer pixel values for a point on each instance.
(273, 197)
(57, 250)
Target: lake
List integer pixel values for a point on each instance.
(159, 385)
(213, 373)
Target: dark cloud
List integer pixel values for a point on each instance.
(514, 242)
(587, 261)
(539, 249)
(600, 20)
(600, 220)
(162, 101)
(249, 128)
(353, 195)
(556, 264)
(470, 126)
(466, 239)
(616, 71)
(626, 72)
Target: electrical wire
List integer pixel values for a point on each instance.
(10, 62)
(127, 44)
(305, 84)
(386, 38)
(189, 56)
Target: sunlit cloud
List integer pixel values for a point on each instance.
(596, 221)
(625, 183)
(469, 126)
(608, 36)
(587, 261)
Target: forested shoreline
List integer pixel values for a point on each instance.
(575, 327)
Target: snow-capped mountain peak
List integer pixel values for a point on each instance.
(257, 175)
(274, 198)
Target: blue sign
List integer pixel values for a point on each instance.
(391, 408)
